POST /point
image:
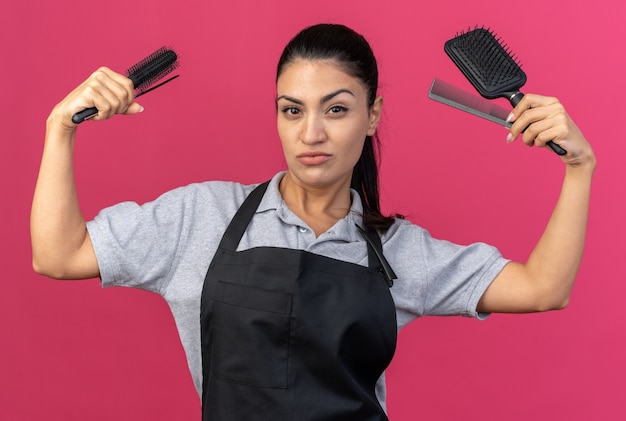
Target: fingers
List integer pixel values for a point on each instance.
(133, 108)
(109, 92)
(539, 119)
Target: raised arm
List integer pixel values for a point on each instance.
(545, 281)
(60, 243)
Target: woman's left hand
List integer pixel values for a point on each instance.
(543, 119)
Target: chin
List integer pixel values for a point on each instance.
(319, 178)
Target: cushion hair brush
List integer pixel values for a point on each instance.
(490, 67)
(143, 74)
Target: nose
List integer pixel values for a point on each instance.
(312, 130)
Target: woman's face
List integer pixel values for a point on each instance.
(323, 119)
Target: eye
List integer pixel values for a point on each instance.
(290, 111)
(337, 109)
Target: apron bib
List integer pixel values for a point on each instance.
(289, 335)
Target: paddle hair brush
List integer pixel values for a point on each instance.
(143, 75)
(490, 67)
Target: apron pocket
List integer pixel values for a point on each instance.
(250, 335)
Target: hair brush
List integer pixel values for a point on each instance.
(490, 67)
(143, 75)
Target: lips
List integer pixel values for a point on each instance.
(313, 158)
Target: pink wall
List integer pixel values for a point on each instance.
(71, 351)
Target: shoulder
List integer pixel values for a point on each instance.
(403, 231)
(207, 192)
(208, 196)
(408, 240)
(197, 204)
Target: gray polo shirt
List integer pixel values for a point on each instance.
(165, 246)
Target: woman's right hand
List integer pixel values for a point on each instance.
(110, 92)
(61, 245)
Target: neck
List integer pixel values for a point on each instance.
(319, 207)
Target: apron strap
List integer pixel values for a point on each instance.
(239, 223)
(376, 258)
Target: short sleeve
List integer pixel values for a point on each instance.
(437, 277)
(136, 245)
(458, 275)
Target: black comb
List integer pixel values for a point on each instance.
(143, 74)
(490, 66)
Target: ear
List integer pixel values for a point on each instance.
(375, 113)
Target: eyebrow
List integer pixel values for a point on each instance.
(324, 99)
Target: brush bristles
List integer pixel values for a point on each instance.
(486, 51)
(152, 68)
(486, 61)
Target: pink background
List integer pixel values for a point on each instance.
(72, 351)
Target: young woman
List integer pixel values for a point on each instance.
(288, 295)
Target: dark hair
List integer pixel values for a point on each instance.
(353, 53)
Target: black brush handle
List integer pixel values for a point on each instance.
(514, 99)
(84, 115)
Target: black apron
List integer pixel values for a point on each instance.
(289, 335)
